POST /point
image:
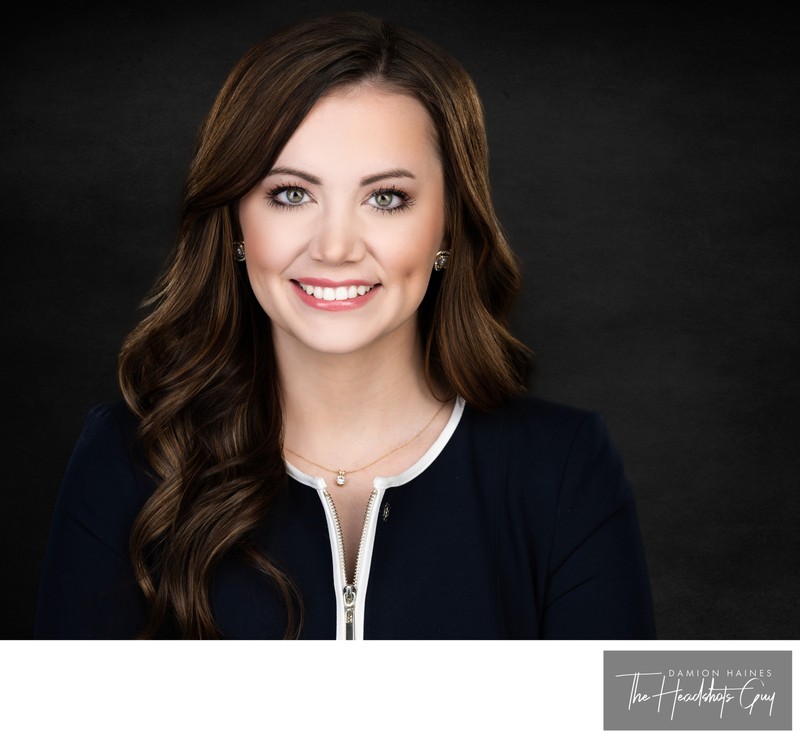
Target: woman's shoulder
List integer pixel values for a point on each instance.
(112, 421)
(558, 445)
(105, 482)
(541, 423)
(108, 436)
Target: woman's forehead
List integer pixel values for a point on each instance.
(365, 125)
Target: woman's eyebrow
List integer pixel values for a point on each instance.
(295, 173)
(388, 174)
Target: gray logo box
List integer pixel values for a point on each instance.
(697, 690)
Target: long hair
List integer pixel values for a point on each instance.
(199, 370)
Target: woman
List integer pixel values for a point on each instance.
(325, 430)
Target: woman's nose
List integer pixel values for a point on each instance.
(338, 239)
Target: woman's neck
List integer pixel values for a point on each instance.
(352, 407)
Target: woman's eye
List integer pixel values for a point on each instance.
(388, 200)
(290, 196)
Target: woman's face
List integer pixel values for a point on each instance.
(341, 234)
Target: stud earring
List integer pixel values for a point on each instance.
(238, 250)
(440, 262)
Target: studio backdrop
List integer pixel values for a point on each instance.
(644, 161)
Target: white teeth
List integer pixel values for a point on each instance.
(339, 293)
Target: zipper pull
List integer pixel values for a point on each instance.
(349, 612)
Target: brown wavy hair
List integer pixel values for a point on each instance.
(199, 370)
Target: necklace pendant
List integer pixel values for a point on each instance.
(340, 478)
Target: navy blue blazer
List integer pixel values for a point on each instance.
(520, 525)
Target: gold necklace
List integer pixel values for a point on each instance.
(341, 474)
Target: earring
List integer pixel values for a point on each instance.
(238, 250)
(440, 262)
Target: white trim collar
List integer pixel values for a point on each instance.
(403, 477)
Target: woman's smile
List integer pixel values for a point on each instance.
(324, 294)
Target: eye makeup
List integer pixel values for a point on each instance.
(287, 192)
(290, 196)
(405, 199)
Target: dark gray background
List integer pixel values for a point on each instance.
(645, 165)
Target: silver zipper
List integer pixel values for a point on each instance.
(350, 590)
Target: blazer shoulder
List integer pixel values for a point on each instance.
(106, 481)
(551, 447)
(535, 410)
(539, 423)
(110, 420)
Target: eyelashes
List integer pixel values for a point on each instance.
(386, 200)
(288, 196)
(391, 192)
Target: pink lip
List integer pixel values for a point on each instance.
(319, 282)
(334, 305)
